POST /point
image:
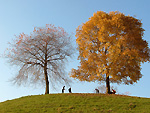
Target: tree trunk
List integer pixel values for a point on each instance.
(45, 73)
(46, 81)
(107, 84)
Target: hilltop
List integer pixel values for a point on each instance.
(76, 103)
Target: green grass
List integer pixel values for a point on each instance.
(76, 103)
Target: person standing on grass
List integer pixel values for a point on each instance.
(97, 91)
(69, 90)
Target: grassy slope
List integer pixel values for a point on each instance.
(76, 103)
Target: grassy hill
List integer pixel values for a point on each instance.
(76, 103)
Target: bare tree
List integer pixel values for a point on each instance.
(41, 56)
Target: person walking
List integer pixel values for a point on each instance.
(63, 89)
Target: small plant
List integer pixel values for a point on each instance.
(59, 110)
(131, 106)
(110, 110)
(71, 107)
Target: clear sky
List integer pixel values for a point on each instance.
(17, 16)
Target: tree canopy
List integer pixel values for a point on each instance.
(111, 49)
(41, 56)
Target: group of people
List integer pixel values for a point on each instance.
(63, 89)
(97, 91)
(112, 92)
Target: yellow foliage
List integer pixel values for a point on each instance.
(111, 44)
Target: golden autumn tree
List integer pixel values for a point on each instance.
(41, 56)
(111, 49)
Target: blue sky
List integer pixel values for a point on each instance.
(17, 16)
